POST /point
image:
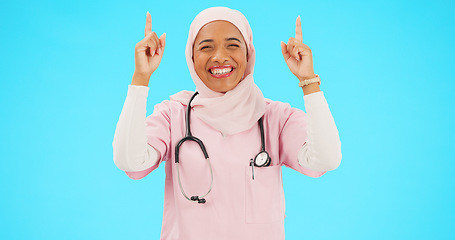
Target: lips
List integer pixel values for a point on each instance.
(221, 71)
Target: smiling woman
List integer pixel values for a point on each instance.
(225, 181)
(219, 56)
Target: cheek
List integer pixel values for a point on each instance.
(241, 56)
(199, 64)
(241, 61)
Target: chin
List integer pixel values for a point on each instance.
(221, 87)
(225, 88)
(221, 90)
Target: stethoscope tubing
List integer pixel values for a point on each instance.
(190, 137)
(180, 183)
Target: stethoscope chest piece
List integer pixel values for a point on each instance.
(262, 159)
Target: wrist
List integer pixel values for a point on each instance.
(303, 78)
(315, 79)
(311, 88)
(140, 79)
(310, 84)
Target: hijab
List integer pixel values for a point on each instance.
(236, 110)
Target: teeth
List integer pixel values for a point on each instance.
(219, 71)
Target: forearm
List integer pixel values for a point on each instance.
(131, 151)
(322, 150)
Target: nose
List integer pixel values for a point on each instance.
(220, 55)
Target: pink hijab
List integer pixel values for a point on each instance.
(238, 109)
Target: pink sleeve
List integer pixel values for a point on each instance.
(292, 137)
(158, 136)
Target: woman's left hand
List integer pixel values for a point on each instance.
(297, 55)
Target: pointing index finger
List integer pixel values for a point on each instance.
(298, 29)
(148, 24)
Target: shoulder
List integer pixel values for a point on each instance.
(280, 113)
(168, 106)
(280, 109)
(166, 109)
(274, 106)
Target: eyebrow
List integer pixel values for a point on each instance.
(227, 39)
(235, 39)
(206, 40)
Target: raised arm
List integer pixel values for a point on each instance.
(322, 150)
(131, 151)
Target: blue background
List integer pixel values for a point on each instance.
(387, 73)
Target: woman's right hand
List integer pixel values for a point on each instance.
(148, 54)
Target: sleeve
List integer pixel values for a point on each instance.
(309, 142)
(134, 151)
(158, 135)
(322, 150)
(292, 137)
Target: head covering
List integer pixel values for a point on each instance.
(238, 109)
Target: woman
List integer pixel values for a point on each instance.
(246, 139)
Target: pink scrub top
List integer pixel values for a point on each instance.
(238, 207)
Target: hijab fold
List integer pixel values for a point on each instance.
(238, 109)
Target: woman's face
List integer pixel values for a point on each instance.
(219, 56)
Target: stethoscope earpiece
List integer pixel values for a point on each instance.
(199, 200)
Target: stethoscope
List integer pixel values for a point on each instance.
(262, 159)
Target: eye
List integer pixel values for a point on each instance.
(233, 45)
(205, 47)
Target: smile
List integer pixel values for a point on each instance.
(221, 71)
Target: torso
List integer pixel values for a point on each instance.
(237, 207)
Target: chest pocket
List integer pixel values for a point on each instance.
(264, 195)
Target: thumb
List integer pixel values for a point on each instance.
(162, 42)
(285, 52)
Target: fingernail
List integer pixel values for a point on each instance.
(153, 53)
